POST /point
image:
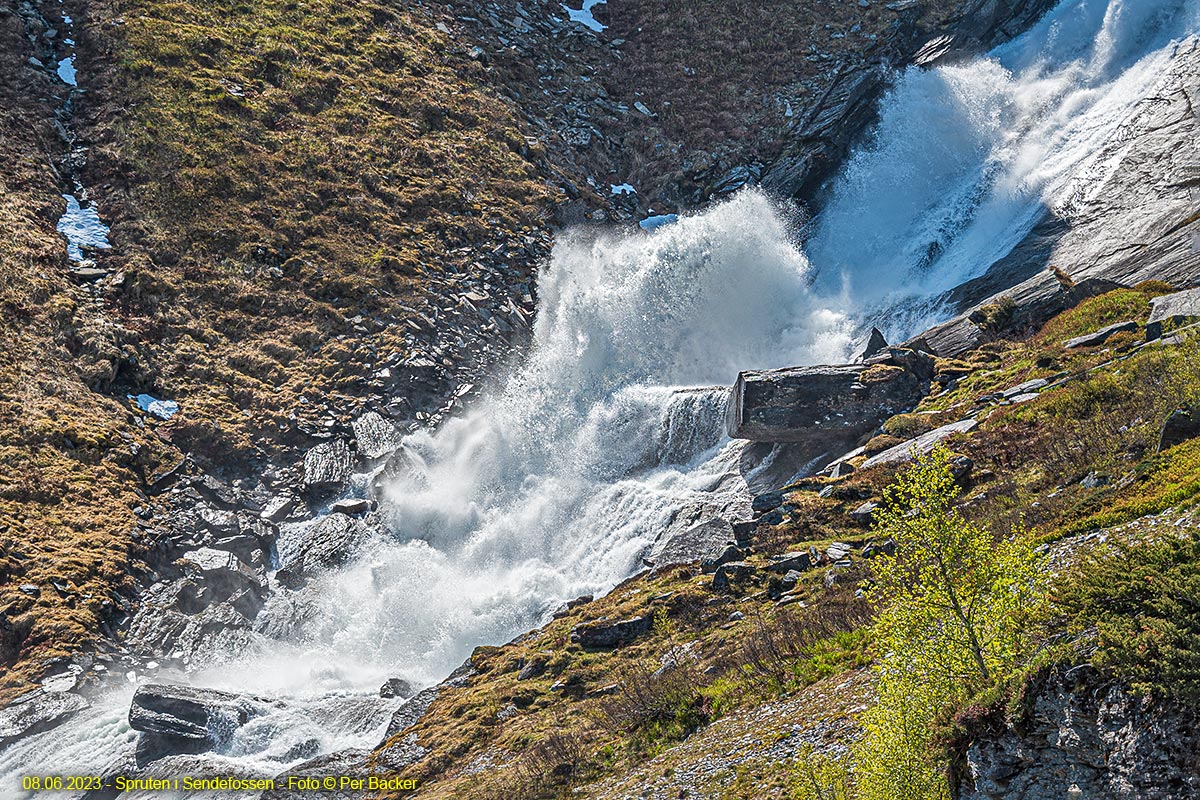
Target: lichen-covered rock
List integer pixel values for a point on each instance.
(610, 634)
(1083, 737)
(1175, 309)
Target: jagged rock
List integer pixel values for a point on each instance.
(733, 572)
(799, 561)
(826, 408)
(921, 445)
(278, 508)
(790, 580)
(13, 632)
(327, 467)
(185, 719)
(1180, 308)
(1082, 737)
(351, 506)
(766, 502)
(841, 469)
(875, 344)
(533, 668)
(311, 549)
(223, 573)
(1097, 338)
(602, 635)
(865, 513)
(36, 710)
(396, 687)
(697, 542)
(723, 555)
(375, 436)
(1183, 424)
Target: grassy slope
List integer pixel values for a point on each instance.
(1029, 458)
(271, 171)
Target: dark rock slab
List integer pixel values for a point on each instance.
(733, 572)
(184, 719)
(602, 635)
(825, 407)
(697, 542)
(1182, 424)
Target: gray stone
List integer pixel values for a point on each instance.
(351, 506)
(184, 719)
(327, 467)
(1097, 338)
(1180, 308)
(921, 445)
(396, 687)
(697, 542)
(827, 408)
(1082, 736)
(36, 711)
(222, 572)
(865, 513)
(799, 561)
(330, 543)
(790, 580)
(723, 555)
(375, 436)
(602, 635)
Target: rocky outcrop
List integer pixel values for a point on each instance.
(37, 710)
(184, 719)
(827, 408)
(309, 549)
(1182, 424)
(1082, 737)
(602, 634)
(1179, 308)
(327, 467)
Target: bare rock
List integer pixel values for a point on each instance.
(327, 467)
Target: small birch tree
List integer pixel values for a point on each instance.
(950, 603)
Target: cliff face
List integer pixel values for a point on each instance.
(1081, 736)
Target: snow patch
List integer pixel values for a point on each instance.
(83, 229)
(657, 221)
(163, 409)
(584, 16)
(622, 188)
(66, 70)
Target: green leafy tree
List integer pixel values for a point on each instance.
(951, 602)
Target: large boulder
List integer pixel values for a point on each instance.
(305, 550)
(695, 542)
(1175, 309)
(375, 436)
(185, 719)
(1183, 424)
(827, 407)
(921, 445)
(327, 467)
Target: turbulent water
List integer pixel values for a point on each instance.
(561, 480)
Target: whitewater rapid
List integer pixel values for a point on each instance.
(561, 480)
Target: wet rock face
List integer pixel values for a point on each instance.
(1086, 738)
(826, 407)
(35, 711)
(184, 719)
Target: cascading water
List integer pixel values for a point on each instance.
(966, 158)
(557, 484)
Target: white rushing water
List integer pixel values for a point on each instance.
(561, 480)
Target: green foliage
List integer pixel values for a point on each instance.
(1141, 602)
(951, 604)
(819, 776)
